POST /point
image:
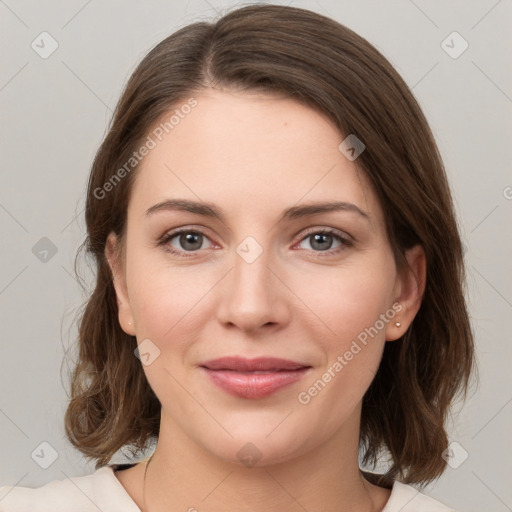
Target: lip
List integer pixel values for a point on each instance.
(243, 364)
(253, 378)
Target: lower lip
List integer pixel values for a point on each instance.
(254, 385)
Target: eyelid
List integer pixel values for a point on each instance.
(169, 235)
(327, 230)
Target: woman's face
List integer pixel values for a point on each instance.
(262, 277)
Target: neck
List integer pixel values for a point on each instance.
(184, 476)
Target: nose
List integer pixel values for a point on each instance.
(253, 295)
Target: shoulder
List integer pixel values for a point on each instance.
(100, 490)
(405, 498)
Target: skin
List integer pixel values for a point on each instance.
(254, 156)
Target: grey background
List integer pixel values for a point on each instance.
(55, 112)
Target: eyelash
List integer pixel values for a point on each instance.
(345, 241)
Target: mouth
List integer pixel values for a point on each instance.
(259, 364)
(253, 378)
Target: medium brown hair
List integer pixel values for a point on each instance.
(321, 63)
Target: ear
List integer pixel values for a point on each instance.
(113, 255)
(409, 290)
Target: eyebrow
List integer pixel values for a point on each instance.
(294, 212)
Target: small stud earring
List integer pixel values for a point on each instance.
(398, 324)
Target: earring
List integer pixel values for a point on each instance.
(398, 324)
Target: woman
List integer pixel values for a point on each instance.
(268, 368)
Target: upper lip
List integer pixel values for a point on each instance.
(257, 364)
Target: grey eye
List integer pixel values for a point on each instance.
(188, 241)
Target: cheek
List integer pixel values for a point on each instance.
(168, 302)
(346, 300)
(168, 306)
(352, 309)
(354, 306)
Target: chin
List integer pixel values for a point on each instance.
(252, 447)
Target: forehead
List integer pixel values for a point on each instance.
(249, 152)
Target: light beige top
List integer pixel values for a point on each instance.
(102, 491)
